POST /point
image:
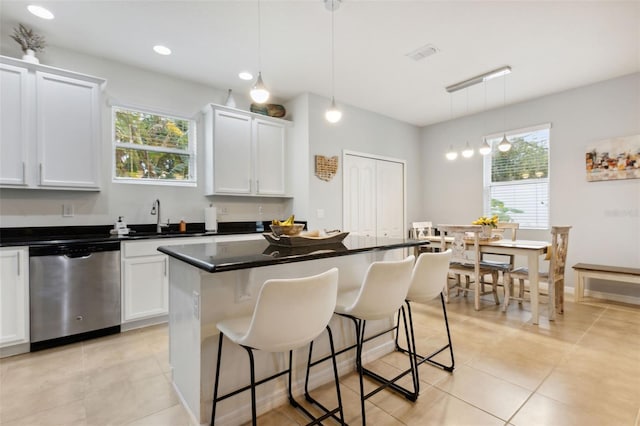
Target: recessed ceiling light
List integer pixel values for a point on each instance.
(245, 75)
(161, 50)
(40, 11)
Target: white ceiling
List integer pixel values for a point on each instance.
(551, 46)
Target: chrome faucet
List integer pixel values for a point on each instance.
(155, 211)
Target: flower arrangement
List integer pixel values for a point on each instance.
(486, 221)
(27, 39)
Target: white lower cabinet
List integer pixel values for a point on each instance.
(145, 278)
(145, 290)
(14, 296)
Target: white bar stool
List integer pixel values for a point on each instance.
(381, 295)
(289, 314)
(427, 282)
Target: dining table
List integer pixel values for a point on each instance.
(530, 249)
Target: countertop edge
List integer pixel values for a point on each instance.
(174, 252)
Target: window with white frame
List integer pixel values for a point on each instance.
(151, 147)
(516, 182)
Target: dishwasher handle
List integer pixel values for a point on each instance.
(78, 255)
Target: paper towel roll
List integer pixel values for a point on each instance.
(210, 219)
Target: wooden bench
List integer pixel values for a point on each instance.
(604, 272)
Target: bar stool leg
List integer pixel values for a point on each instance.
(360, 326)
(420, 359)
(254, 420)
(217, 380)
(307, 395)
(360, 342)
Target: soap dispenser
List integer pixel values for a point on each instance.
(120, 227)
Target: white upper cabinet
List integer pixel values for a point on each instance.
(13, 125)
(231, 153)
(50, 127)
(245, 153)
(270, 167)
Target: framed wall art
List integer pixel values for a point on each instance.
(614, 158)
(326, 168)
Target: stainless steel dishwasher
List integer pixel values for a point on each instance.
(74, 292)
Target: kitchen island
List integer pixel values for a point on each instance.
(209, 282)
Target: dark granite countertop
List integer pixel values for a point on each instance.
(229, 256)
(47, 235)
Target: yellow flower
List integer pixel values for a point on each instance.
(483, 220)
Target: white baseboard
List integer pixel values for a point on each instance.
(132, 325)
(14, 350)
(614, 297)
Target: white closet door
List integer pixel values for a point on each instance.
(390, 199)
(359, 198)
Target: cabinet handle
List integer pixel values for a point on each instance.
(40, 171)
(257, 186)
(250, 185)
(166, 266)
(18, 257)
(24, 173)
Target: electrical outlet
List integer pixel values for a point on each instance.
(196, 305)
(320, 213)
(223, 211)
(67, 210)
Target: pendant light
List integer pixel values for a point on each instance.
(259, 92)
(504, 144)
(485, 148)
(467, 152)
(451, 154)
(333, 114)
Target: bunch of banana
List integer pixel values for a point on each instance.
(287, 222)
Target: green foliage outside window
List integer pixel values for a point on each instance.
(503, 212)
(527, 159)
(150, 146)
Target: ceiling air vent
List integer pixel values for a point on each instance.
(422, 52)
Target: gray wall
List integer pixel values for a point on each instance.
(605, 215)
(361, 131)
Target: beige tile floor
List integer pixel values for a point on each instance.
(584, 369)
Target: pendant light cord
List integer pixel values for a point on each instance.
(484, 121)
(259, 37)
(333, 62)
(504, 104)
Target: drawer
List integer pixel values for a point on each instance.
(150, 247)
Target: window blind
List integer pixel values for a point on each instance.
(517, 181)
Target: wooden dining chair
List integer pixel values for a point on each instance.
(421, 231)
(554, 277)
(465, 261)
(504, 262)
